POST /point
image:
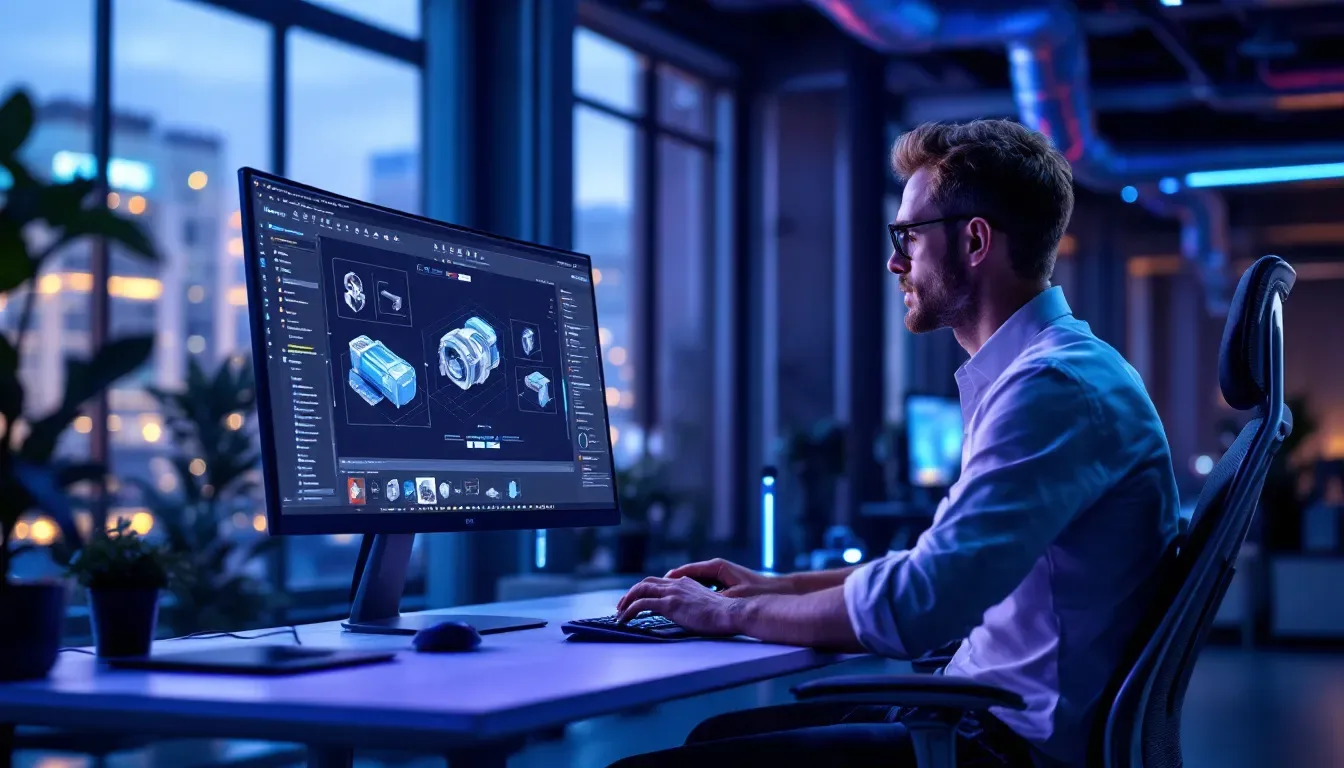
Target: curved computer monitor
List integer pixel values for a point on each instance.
(415, 376)
(933, 433)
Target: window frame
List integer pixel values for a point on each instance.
(280, 16)
(721, 81)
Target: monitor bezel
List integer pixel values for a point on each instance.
(278, 523)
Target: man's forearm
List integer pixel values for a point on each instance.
(817, 620)
(813, 581)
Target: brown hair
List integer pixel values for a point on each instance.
(1001, 170)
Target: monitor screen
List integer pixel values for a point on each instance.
(933, 433)
(414, 376)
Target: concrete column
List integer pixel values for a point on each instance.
(861, 184)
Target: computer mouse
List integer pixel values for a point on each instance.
(447, 637)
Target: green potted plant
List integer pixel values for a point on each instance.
(1282, 501)
(123, 573)
(643, 487)
(215, 472)
(33, 478)
(814, 460)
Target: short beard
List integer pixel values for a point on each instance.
(948, 304)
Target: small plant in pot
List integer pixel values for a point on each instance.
(815, 459)
(216, 464)
(645, 494)
(124, 573)
(37, 221)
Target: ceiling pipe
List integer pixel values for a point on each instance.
(1047, 54)
(1205, 233)
(924, 106)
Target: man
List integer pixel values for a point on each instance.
(1040, 556)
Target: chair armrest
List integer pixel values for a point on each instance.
(935, 691)
(928, 665)
(935, 660)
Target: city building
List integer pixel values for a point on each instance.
(175, 184)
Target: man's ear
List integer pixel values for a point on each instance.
(979, 238)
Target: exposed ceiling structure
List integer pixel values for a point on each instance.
(1173, 101)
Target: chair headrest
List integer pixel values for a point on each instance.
(1242, 370)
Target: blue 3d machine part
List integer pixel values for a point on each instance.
(376, 373)
(468, 354)
(541, 385)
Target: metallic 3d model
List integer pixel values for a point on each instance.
(541, 385)
(354, 291)
(376, 373)
(392, 297)
(393, 490)
(529, 340)
(468, 354)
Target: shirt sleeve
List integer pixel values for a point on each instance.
(1037, 459)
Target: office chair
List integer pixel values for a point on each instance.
(1138, 721)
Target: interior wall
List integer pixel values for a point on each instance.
(808, 128)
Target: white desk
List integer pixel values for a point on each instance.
(472, 707)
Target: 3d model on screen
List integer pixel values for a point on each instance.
(529, 341)
(541, 385)
(427, 491)
(392, 297)
(376, 373)
(468, 354)
(393, 490)
(444, 490)
(354, 291)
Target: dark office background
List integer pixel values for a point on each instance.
(724, 162)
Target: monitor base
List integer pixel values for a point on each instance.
(409, 625)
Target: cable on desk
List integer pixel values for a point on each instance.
(211, 633)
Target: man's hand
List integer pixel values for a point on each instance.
(737, 581)
(685, 602)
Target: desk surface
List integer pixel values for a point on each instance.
(518, 682)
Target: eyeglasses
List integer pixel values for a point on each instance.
(900, 233)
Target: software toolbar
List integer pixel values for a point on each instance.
(414, 367)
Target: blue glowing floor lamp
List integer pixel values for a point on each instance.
(768, 519)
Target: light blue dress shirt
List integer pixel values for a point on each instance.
(1041, 554)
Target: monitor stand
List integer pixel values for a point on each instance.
(377, 605)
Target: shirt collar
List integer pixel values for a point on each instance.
(1006, 344)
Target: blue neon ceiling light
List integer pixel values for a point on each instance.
(1244, 176)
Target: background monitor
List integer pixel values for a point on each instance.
(933, 432)
(415, 376)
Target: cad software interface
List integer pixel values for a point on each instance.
(417, 368)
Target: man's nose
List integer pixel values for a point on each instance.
(897, 265)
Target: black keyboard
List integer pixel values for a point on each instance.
(645, 627)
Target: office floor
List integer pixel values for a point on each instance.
(1243, 710)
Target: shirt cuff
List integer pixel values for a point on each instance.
(869, 603)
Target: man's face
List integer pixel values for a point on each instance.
(934, 276)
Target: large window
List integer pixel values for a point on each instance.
(374, 136)
(197, 90)
(646, 200)
(190, 89)
(46, 50)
